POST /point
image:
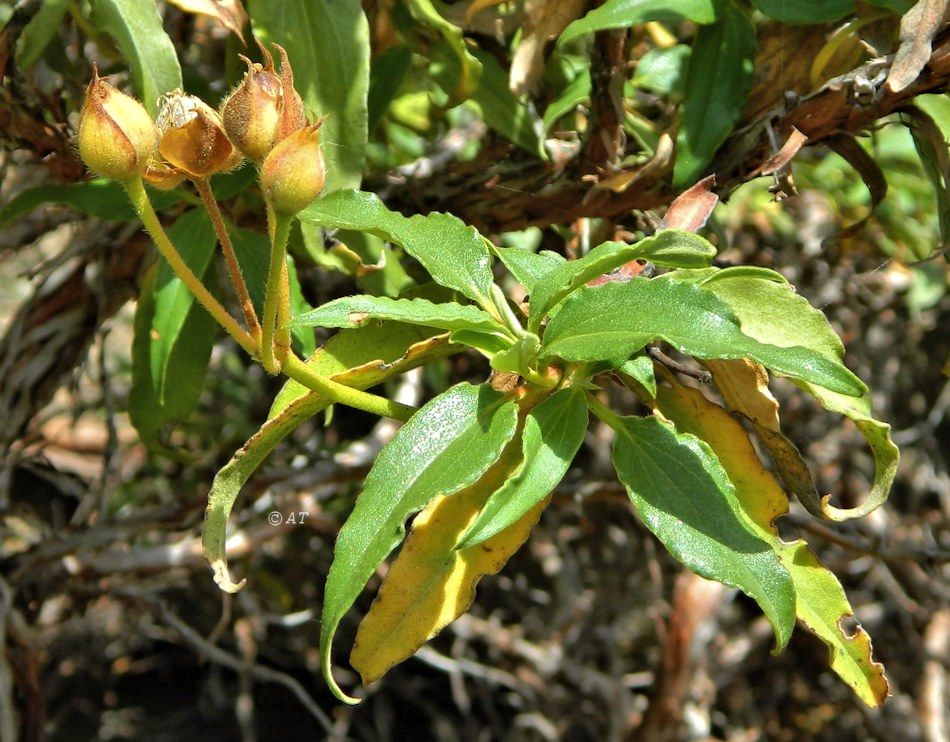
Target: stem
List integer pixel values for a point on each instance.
(300, 372)
(143, 207)
(274, 297)
(227, 248)
(282, 335)
(603, 411)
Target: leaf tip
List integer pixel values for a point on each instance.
(222, 577)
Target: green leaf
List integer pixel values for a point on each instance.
(173, 337)
(553, 433)
(626, 13)
(519, 357)
(568, 97)
(528, 267)
(662, 70)
(805, 11)
(616, 319)
(358, 358)
(387, 72)
(39, 32)
(328, 46)
(931, 145)
(454, 254)
(373, 351)
(356, 311)
(819, 600)
(447, 445)
(898, 6)
(670, 247)
(466, 68)
(137, 29)
(640, 369)
(770, 311)
(878, 436)
(503, 111)
(718, 79)
(684, 496)
(105, 199)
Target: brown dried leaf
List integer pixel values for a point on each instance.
(543, 20)
(918, 28)
(691, 209)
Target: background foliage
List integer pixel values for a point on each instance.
(546, 126)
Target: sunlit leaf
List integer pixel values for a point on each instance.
(432, 582)
(685, 497)
(328, 46)
(718, 79)
(446, 446)
(820, 602)
(355, 311)
(616, 319)
(357, 358)
(455, 255)
(553, 433)
(626, 13)
(137, 29)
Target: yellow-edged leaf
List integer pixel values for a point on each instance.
(431, 583)
(821, 604)
(744, 385)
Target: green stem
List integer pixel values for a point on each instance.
(282, 336)
(143, 207)
(603, 411)
(338, 393)
(227, 248)
(274, 297)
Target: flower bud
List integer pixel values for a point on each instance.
(117, 137)
(292, 174)
(192, 137)
(251, 114)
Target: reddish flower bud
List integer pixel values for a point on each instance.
(292, 175)
(117, 137)
(251, 114)
(192, 137)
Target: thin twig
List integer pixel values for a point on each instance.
(658, 355)
(227, 248)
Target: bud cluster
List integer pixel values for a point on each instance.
(262, 119)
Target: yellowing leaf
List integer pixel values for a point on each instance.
(820, 601)
(431, 584)
(744, 386)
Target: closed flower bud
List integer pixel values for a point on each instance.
(251, 114)
(192, 137)
(117, 137)
(293, 174)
